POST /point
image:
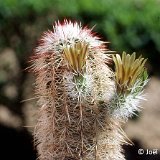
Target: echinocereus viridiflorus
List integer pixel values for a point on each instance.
(82, 101)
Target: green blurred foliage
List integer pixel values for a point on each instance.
(129, 25)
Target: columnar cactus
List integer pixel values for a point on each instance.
(82, 101)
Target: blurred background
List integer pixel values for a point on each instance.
(132, 26)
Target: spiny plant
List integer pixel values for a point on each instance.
(82, 101)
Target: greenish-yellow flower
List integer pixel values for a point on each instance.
(127, 70)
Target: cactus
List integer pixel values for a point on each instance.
(82, 101)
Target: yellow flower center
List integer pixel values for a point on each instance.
(76, 55)
(127, 70)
